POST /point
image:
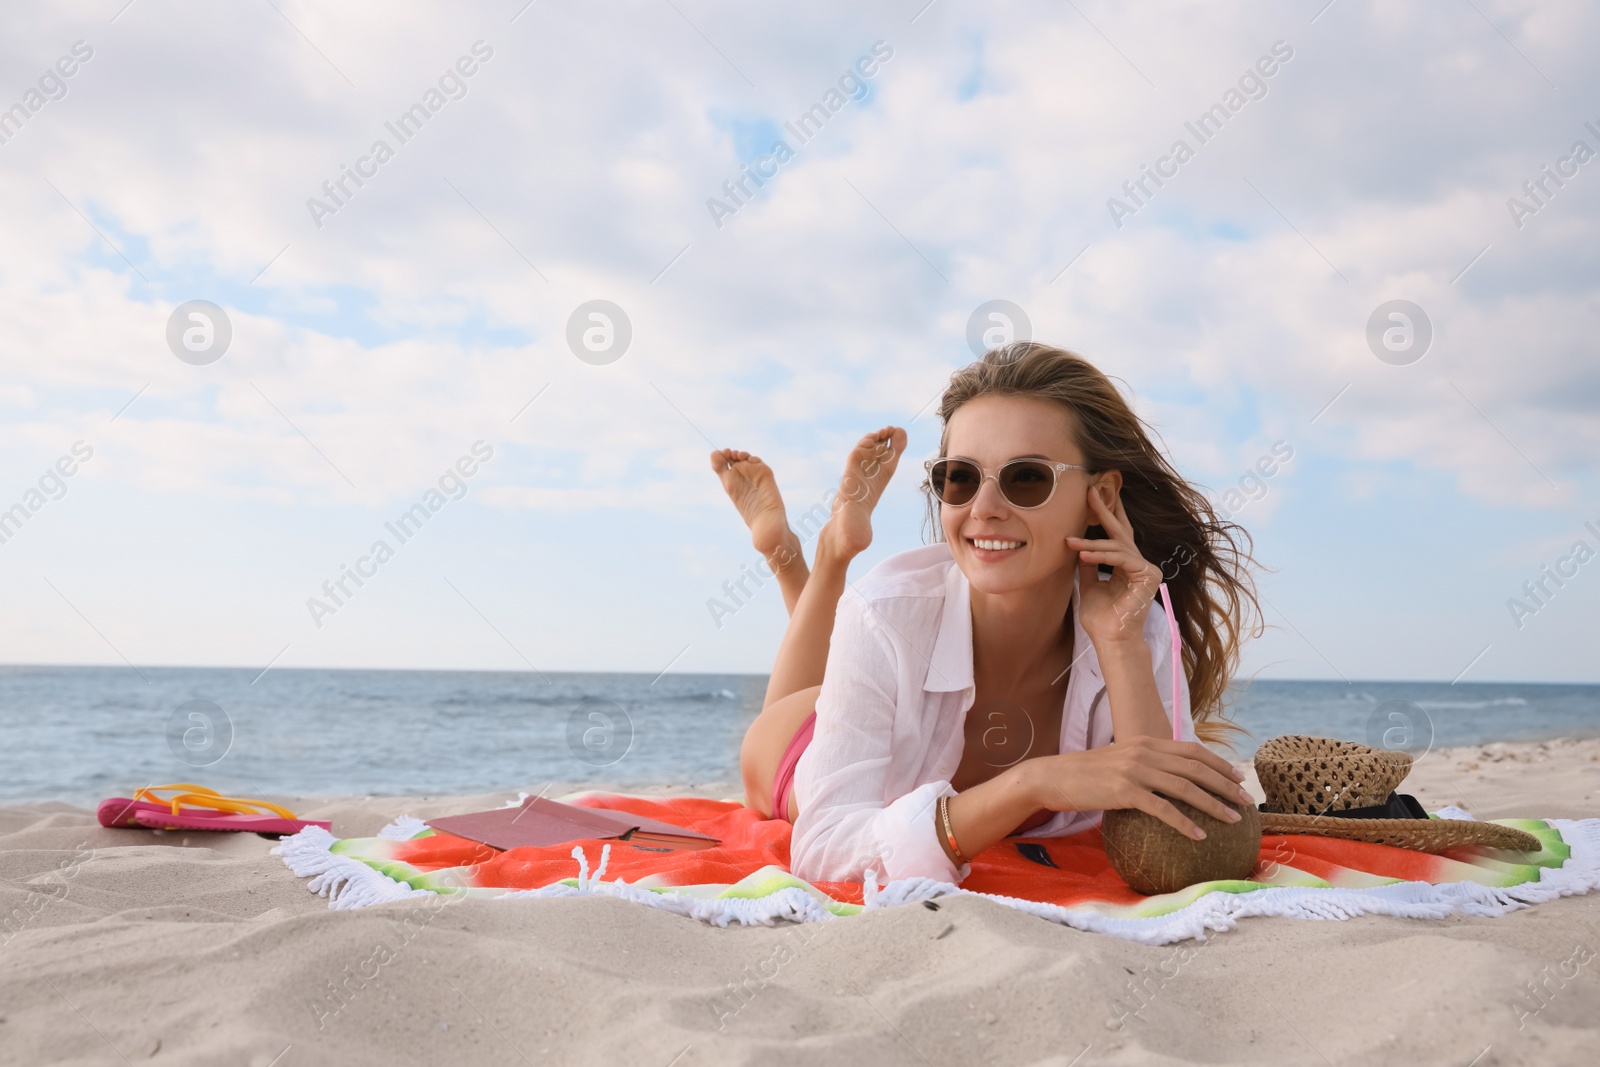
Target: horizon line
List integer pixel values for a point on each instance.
(6, 666)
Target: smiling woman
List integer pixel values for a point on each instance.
(1010, 678)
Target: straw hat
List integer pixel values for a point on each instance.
(1328, 788)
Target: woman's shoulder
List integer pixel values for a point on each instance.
(917, 572)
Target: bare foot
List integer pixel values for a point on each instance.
(867, 470)
(754, 491)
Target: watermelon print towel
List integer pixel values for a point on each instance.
(1067, 880)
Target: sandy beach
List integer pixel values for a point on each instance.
(135, 946)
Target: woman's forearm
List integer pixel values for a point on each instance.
(987, 812)
(1136, 708)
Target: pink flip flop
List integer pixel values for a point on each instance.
(221, 820)
(207, 810)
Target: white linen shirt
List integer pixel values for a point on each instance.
(891, 714)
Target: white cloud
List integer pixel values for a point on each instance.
(412, 322)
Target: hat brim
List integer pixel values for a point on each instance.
(1419, 835)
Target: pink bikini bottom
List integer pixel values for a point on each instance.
(791, 756)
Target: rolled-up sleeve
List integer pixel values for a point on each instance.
(847, 824)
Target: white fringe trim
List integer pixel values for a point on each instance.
(347, 883)
(791, 904)
(1220, 911)
(350, 883)
(403, 829)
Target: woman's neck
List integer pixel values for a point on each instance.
(1017, 634)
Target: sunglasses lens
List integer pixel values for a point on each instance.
(955, 481)
(1027, 483)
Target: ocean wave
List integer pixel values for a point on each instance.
(1499, 702)
(703, 696)
(499, 700)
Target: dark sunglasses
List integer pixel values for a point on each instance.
(1025, 483)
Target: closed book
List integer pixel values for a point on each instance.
(542, 823)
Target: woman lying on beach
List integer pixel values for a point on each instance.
(1001, 667)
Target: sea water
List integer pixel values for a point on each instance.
(83, 733)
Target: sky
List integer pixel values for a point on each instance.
(1376, 252)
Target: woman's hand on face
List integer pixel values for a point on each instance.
(1129, 774)
(1114, 610)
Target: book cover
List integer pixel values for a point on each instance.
(541, 823)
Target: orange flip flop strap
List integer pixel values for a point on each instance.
(199, 796)
(149, 793)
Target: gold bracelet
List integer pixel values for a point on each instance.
(949, 835)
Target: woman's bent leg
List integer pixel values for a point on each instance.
(751, 486)
(804, 651)
(803, 654)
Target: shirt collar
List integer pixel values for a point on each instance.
(950, 665)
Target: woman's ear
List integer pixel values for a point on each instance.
(1109, 486)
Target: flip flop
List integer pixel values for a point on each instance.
(208, 810)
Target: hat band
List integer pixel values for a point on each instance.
(1398, 806)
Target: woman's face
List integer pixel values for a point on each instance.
(999, 547)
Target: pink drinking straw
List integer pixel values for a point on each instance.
(1177, 662)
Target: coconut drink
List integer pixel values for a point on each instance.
(1155, 858)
